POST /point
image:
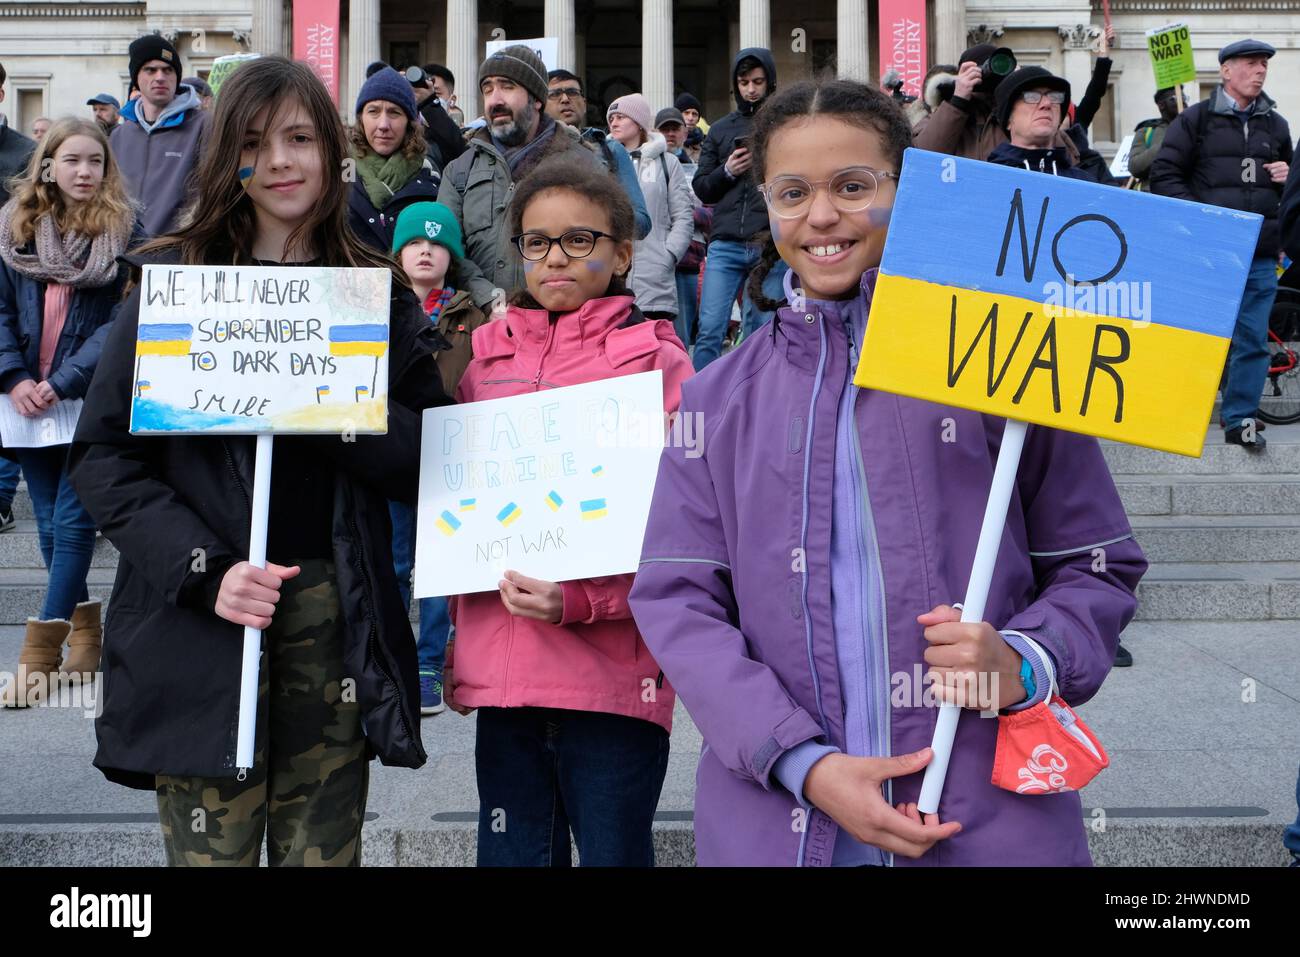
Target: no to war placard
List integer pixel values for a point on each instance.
(1056, 301)
(261, 349)
(554, 484)
(1172, 58)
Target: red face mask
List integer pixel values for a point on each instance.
(1046, 749)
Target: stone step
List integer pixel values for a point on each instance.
(1218, 538)
(1191, 494)
(1242, 840)
(21, 549)
(1221, 591)
(1217, 458)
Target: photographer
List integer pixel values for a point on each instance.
(964, 123)
(441, 132)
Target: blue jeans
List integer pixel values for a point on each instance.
(725, 272)
(435, 620)
(688, 306)
(544, 771)
(63, 526)
(1248, 356)
(10, 473)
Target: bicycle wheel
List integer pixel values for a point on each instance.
(1280, 403)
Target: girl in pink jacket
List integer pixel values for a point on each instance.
(573, 712)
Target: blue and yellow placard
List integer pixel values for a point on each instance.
(261, 349)
(1056, 301)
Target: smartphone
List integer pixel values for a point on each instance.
(741, 142)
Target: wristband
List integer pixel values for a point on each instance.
(1027, 677)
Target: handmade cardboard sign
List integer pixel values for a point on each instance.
(261, 349)
(1172, 58)
(553, 484)
(1056, 301)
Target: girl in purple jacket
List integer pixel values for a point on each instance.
(797, 578)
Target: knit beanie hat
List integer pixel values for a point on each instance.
(636, 108)
(519, 63)
(687, 101)
(151, 46)
(431, 221)
(388, 84)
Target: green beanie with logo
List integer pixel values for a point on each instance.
(431, 221)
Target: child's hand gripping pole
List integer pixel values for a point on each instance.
(248, 679)
(977, 593)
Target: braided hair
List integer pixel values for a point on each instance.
(855, 103)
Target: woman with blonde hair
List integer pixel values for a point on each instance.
(66, 222)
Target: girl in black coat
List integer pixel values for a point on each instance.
(338, 666)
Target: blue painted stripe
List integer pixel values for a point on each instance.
(361, 332)
(164, 331)
(1186, 261)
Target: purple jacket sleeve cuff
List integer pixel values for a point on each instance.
(792, 767)
(1040, 660)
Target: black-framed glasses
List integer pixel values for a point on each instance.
(574, 243)
(851, 191)
(572, 92)
(1034, 97)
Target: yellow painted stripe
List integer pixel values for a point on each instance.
(1169, 377)
(358, 348)
(176, 347)
(597, 513)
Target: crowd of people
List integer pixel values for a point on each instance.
(785, 574)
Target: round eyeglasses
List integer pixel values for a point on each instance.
(851, 191)
(575, 243)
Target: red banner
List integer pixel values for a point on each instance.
(902, 41)
(316, 40)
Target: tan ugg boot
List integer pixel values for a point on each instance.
(83, 642)
(38, 663)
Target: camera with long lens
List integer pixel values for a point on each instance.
(1001, 63)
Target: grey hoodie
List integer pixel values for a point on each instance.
(157, 158)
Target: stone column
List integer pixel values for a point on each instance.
(1077, 40)
(268, 26)
(657, 53)
(852, 36)
(558, 21)
(363, 44)
(463, 53)
(755, 24)
(950, 30)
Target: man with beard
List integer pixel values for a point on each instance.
(477, 185)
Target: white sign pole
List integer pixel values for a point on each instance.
(977, 593)
(247, 741)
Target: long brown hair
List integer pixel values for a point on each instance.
(36, 192)
(221, 225)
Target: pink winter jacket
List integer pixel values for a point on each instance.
(595, 658)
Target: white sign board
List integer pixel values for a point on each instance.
(1119, 165)
(548, 48)
(554, 484)
(261, 349)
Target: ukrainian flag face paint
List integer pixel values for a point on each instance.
(245, 176)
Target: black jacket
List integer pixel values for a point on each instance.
(1288, 215)
(442, 132)
(171, 667)
(15, 151)
(738, 208)
(375, 227)
(1055, 161)
(1203, 156)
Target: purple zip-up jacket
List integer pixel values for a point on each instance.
(733, 591)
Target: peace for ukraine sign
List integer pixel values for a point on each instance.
(1056, 301)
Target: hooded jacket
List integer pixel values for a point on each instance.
(671, 205)
(739, 213)
(747, 635)
(171, 666)
(157, 158)
(1209, 150)
(1054, 160)
(594, 659)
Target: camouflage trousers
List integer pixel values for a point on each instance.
(307, 788)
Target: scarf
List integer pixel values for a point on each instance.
(383, 176)
(435, 301)
(517, 155)
(73, 260)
